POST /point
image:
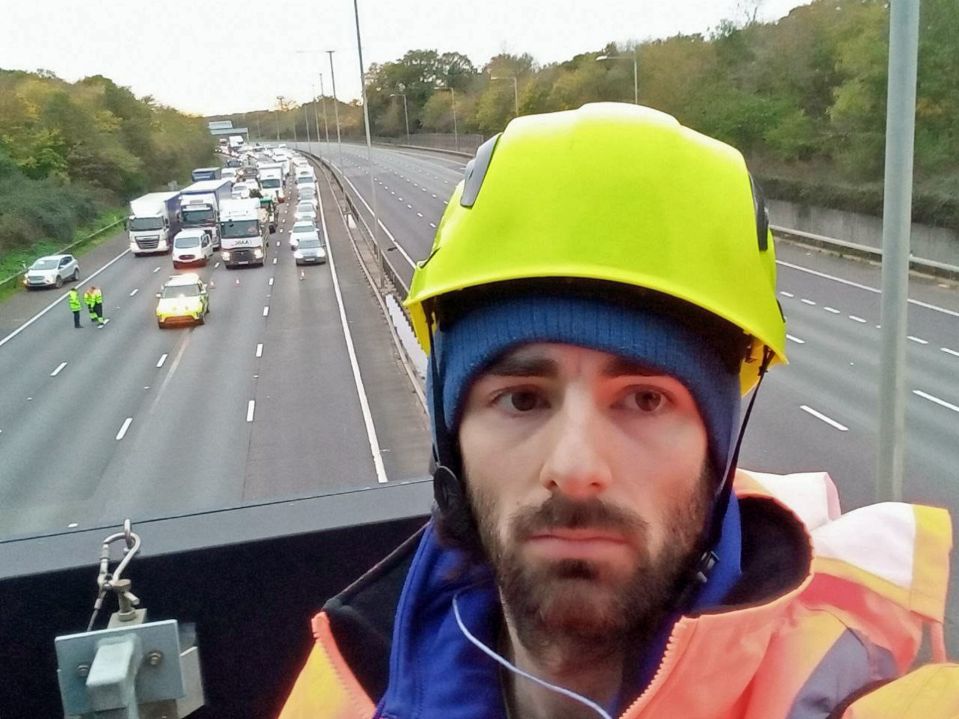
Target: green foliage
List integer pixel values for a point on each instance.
(805, 95)
(67, 150)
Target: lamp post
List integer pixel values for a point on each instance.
(336, 112)
(515, 89)
(456, 142)
(406, 113)
(326, 125)
(602, 58)
(369, 140)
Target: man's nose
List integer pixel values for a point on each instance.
(577, 462)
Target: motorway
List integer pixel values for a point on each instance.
(189, 446)
(290, 389)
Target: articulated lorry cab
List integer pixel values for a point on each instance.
(272, 179)
(244, 230)
(200, 205)
(206, 173)
(153, 221)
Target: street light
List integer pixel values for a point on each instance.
(326, 125)
(406, 113)
(601, 58)
(515, 88)
(336, 112)
(456, 142)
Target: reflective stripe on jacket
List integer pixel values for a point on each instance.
(831, 646)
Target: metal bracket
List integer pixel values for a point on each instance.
(119, 672)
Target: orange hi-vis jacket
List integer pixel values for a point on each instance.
(837, 641)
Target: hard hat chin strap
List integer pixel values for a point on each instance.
(701, 571)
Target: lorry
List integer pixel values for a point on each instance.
(153, 221)
(200, 205)
(272, 179)
(244, 228)
(236, 142)
(205, 173)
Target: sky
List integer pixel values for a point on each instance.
(208, 57)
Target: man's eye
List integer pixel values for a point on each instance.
(645, 400)
(522, 400)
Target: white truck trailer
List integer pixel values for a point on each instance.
(200, 205)
(153, 221)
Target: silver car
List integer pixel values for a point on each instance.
(52, 271)
(311, 251)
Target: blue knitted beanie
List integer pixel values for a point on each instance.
(482, 335)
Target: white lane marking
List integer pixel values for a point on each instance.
(271, 282)
(53, 304)
(860, 320)
(795, 339)
(931, 398)
(422, 189)
(445, 202)
(161, 360)
(949, 351)
(156, 270)
(808, 302)
(409, 206)
(217, 264)
(434, 197)
(134, 292)
(250, 407)
(58, 369)
(917, 340)
(105, 322)
(857, 285)
(266, 310)
(389, 234)
(259, 350)
(833, 310)
(347, 335)
(824, 418)
(274, 260)
(72, 525)
(419, 214)
(433, 225)
(786, 294)
(124, 427)
(392, 193)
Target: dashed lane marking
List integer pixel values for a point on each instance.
(808, 302)
(266, 310)
(419, 214)
(259, 350)
(795, 339)
(860, 320)
(134, 292)
(433, 225)
(216, 265)
(786, 294)
(936, 400)
(917, 340)
(59, 369)
(274, 260)
(124, 427)
(161, 360)
(819, 415)
(832, 310)
(949, 351)
(250, 407)
(156, 270)
(271, 282)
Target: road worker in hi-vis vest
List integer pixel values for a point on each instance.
(599, 299)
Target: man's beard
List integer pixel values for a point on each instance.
(581, 608)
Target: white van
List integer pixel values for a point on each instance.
(192, 246)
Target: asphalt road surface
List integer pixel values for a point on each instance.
(290, 389)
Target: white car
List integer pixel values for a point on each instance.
(51, 271)
(191, 247)
(304, 228)
(304, 211)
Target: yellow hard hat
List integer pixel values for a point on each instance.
(617, 193)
